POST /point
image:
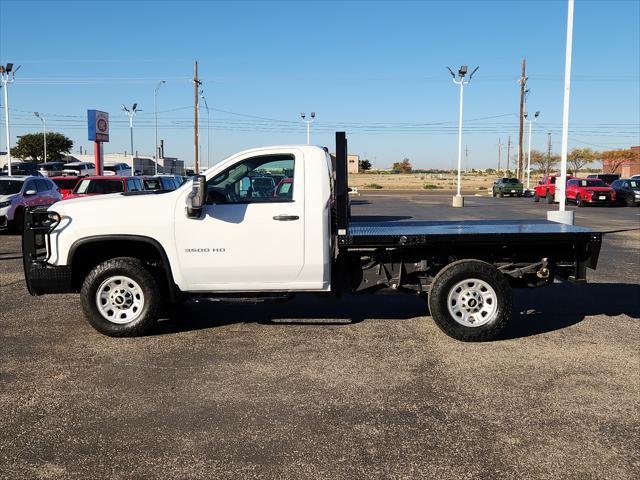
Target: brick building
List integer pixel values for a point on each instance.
(625, 170)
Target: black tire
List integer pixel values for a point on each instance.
(452, 275)
(501, 195)
(18, 221)
(579, 201)
(629, 201)
(549, 197)
(493, 192)
(536, 198)
(135, 270)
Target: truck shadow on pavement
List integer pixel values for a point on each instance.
(535, 311)
(555, 307)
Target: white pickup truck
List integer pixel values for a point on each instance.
(231, 234)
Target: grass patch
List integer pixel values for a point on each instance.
(373, 186)
(431, 186)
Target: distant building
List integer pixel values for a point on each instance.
(626, 169)
(353, 162)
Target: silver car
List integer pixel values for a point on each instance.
(20, 192)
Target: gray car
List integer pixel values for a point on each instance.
(20, 192)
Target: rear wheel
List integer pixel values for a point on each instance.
(470, 300)
(536, 198)
(549, 197)
(121, 298)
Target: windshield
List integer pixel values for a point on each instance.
(510, 180)
(66, 183)
(99, 186)
(592, 183)
(10, 187)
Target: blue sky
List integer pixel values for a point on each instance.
(376, 69)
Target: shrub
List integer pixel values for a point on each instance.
(431, 186)
(374, 186)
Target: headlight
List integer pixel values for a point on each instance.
(5, 204)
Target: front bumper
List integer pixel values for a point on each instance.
(40, 276)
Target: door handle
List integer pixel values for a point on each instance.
(286, 218)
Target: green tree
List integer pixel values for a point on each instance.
(543, 161)
(404, 166)
(579, 157)
(365, 165)
(31, 147)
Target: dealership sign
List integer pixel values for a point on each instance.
(98, 123)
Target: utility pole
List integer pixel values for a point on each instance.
(466, 158)
(523, 83)
(499, 153)
(196, 107)
(546, 172)
(508, 154)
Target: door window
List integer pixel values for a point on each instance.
(254, 181)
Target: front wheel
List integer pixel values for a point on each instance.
(579, 201)
(536, 198)
(470, 300)
(121, 298)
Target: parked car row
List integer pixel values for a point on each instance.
(20, 192)
(593, 190)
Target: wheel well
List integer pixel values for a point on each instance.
(87, 255)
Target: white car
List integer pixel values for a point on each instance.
(80, 169)
(119, 169)
(18, 193)
(635, 177)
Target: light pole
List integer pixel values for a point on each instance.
(458, 200)
(5, 70)
(155, 116)
(308, 122)
(44, 132)
(206, 106)
(131, 113)
(531, 122)
(562, 215)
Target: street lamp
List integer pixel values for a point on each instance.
(131, 113)
(206, 106)
(531, 122)
(155, 116)
(308, 122)
(458, 200)
(44, 132)
(5, 70)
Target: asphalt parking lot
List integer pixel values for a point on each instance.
(362, 387)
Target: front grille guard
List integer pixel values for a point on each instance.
(38, 222)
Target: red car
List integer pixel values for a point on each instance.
(590, 191)
(546, 188)
(100, 185)
(284, 189)
(65, 184)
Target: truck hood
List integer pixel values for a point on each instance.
(110, 205)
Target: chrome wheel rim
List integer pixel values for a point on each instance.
(472, 302)
(120, 299)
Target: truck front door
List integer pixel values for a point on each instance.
(251, 233)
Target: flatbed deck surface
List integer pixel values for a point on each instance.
(410, 232)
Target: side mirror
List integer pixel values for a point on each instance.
(196, 198)
(29, 193)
